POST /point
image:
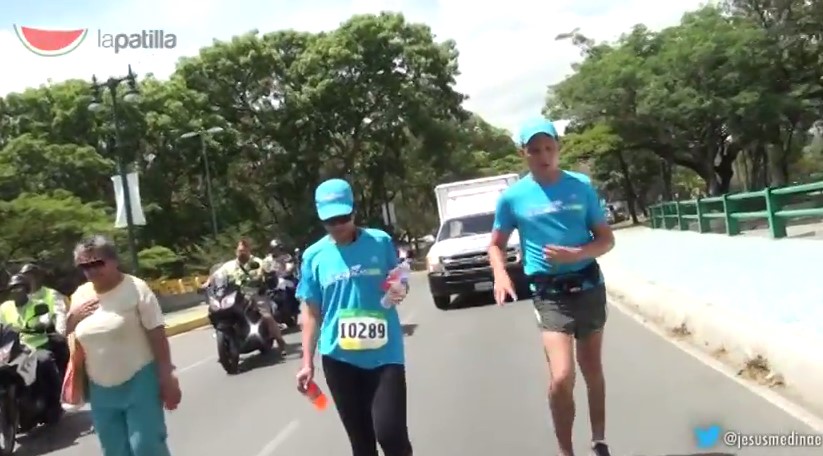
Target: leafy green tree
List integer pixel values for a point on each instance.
(731, 88)
(45, 227)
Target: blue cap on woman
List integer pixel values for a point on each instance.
(333, 198)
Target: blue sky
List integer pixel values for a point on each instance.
(508, 55)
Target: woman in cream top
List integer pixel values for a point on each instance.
(117, 321)
(114, 336)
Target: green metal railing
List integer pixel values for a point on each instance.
(772, 204)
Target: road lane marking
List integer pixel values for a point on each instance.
(196, 364)
(279, 439)
(795, 410)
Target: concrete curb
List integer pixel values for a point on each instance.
(791, 355)
(178, 302)
(186, 324)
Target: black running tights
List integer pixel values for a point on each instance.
(372, 406)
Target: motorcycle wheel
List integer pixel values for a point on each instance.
(227, 354)
(8, 426)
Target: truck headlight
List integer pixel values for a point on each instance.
(433, 264)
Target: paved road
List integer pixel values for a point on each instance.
(477, 383)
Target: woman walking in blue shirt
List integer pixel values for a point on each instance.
(360, 341)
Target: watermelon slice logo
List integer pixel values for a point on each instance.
(50, 43)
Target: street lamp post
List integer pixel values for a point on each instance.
(202, 135)
(113, 143)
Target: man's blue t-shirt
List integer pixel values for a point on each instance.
(561, 213)
(345, 282)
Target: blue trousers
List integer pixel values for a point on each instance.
(129, 418)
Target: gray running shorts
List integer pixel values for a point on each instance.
(579, 314)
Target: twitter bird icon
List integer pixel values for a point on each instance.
(707, 437)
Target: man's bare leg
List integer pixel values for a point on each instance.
(590, 359)
(274, 327)
(559, 349)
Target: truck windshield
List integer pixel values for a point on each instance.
(469, 225)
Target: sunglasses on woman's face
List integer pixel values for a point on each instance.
(90, 265)
(339, 220)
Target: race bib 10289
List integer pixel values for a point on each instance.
(362, 329)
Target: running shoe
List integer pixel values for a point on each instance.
(600, 449)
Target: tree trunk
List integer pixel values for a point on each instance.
(631, 197)
(666, 177)
(723, 172)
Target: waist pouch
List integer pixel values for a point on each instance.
(567, 283)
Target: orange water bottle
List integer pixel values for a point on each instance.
(316, 396)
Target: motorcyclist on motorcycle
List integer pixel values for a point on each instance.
(19, 313)
(281, 263)
(278, 258)
(239, 271)
(56, 304)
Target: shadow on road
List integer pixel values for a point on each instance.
(262, 360)
(409, 329)
(469, 300)
(65, 434)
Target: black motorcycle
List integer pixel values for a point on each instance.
(22, 406)
(238, 325)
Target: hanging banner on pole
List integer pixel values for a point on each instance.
(137, 216)
(389, 217)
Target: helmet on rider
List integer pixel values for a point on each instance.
(34, 273)
(31, 268)
(19, 283)
(276, 246)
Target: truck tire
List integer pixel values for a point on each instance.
(442, 302)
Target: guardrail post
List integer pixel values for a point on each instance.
(702, 222)
(677, 212)
(682, 222)
(732, 225)
(667, 221)
(656, 220)
(777, 225)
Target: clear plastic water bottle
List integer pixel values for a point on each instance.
(398, 277)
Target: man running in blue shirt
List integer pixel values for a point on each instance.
(562, 230)
(361, 342)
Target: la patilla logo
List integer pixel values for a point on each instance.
(53, 43)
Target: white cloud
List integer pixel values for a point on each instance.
(508, 55)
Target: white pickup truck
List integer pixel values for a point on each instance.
(458, 261)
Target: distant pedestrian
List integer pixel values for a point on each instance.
(563, 229)
(118, 323)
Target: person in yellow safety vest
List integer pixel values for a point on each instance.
(20, 313)
(56, 303)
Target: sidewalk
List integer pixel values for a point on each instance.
(756, 302)
(186, 320)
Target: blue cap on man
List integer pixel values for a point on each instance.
(535, 127)
(333, 198)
